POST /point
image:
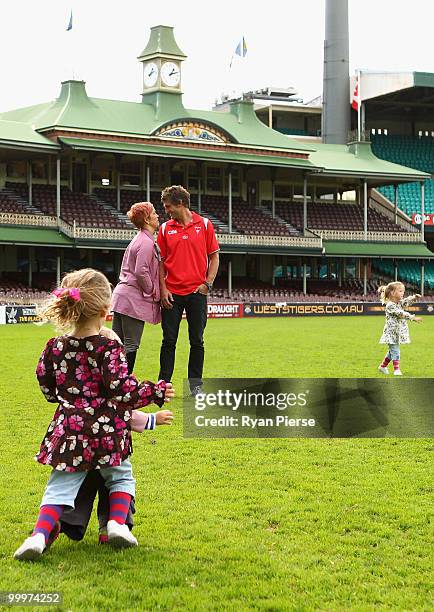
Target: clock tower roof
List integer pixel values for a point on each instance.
(161, 42)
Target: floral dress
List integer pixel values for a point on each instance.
(396, 327)
(88, 377)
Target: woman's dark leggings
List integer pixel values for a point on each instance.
(130, 331)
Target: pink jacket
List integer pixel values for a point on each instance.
(138, 291)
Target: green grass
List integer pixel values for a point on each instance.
(237, 524)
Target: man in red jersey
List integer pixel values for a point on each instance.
(188, 267)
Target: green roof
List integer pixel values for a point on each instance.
(47, 237)
(161, 42)
(220, 155)
(23, 135)
(75, 110)
(341, 248)
(358, 159)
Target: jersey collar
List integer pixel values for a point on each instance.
(195, 218)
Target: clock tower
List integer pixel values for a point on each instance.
(161, 59)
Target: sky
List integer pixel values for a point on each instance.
(284, 39)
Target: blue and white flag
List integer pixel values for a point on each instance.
(241, 50)
(69, 27)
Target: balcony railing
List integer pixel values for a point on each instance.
(281, 241)
(25, 219)
(349, 235)
(313, 237)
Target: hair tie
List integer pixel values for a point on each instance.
(72, 292)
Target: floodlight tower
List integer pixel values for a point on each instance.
(336, 80)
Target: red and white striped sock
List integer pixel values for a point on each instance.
(396, 364)
(385, 362)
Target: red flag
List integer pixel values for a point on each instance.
(355, 100)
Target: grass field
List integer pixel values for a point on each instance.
(237, 524)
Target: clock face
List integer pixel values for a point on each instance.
(170, 74)
(150, 74)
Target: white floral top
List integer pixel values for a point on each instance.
(396, 327)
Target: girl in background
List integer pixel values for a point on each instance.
(395, 330)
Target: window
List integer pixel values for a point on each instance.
(39, 170)
(130, 173)
(193, 178)
(214, 179)
(102, 177)
(235, 180)
(16, 170)
(159, 174)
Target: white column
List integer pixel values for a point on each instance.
(148, 182)
(30, 180)
(396, 270)
(199, 192)
(422, 210)
(365, 277)
(58, 189)
(304, 279)
(58, 271)
(422, 278)
(365, 209)
(273, 198)
(70, 173)
(143, 175)
(230, 200)
(118, 183)
(304, 206)
(396, 204)
(29, 280)
(230, 278)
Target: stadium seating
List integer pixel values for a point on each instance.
(415, 152)
(408, 272)
(79, 207)
(329, 215)
(245, 218)
(17, 293)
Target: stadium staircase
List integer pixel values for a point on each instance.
(292, 231)
(121, 217)
(78, 208)
(13, 203)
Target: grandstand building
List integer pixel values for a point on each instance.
(294, 217)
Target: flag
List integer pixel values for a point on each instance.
(355, 101)
(241, 50)
(69, 27)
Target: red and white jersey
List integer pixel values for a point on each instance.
(185, 252)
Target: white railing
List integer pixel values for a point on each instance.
(371, 236)
(25, 219)
(289, 241)
(101, 233)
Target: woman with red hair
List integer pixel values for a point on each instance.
(136, 298)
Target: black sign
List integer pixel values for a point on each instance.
(285, 309)
(21, 314)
